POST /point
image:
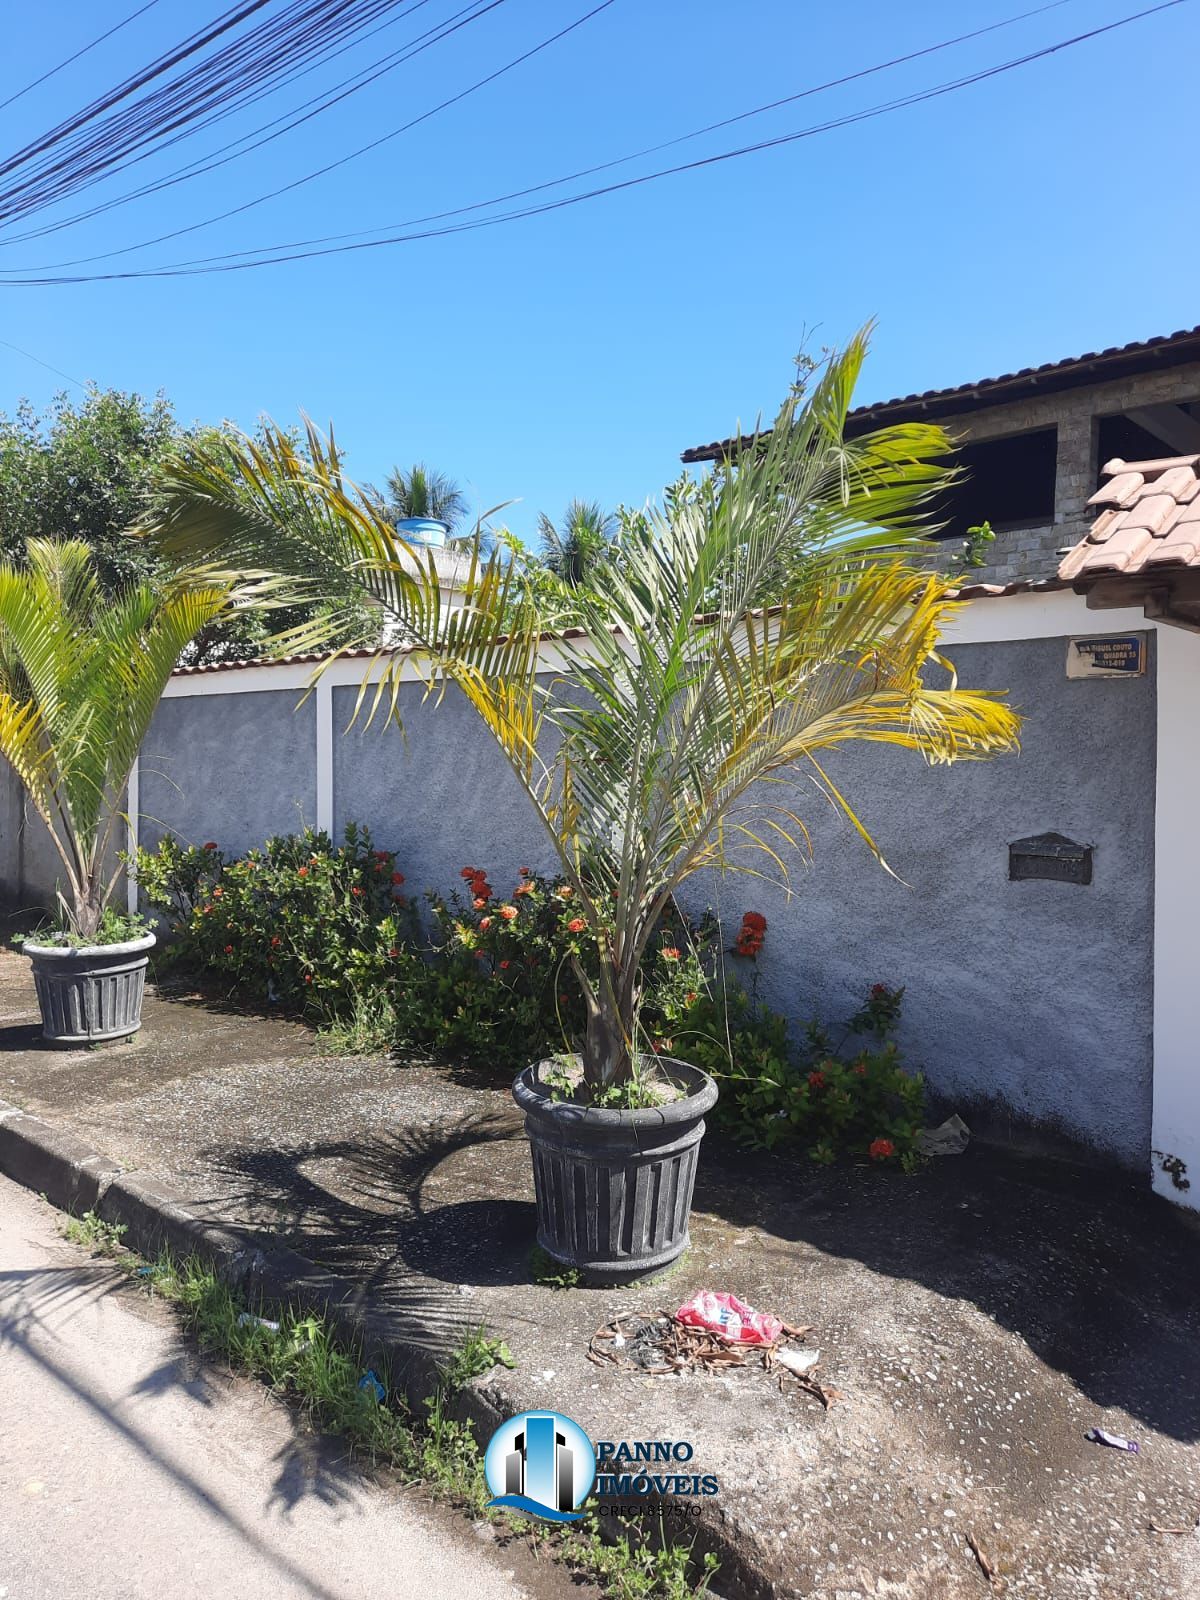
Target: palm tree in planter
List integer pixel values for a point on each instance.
(683, 699)
(81, 672)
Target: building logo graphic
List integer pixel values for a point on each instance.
(542, 1463)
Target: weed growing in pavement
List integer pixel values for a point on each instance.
(551, 1274)
(93, 1233)
(478, 1353)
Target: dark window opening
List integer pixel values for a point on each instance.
(1133, 438)
(1007, 482)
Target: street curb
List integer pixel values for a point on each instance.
(74, 1177)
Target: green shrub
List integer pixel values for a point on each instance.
(332, 934)
(298, 922)
(497, 984)
(853, 1099)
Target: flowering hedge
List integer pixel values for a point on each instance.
(498, 985)
(298, 922)
(332, 933)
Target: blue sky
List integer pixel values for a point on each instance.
(1018, 221)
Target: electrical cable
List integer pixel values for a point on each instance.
(37, 82)
(899, 103)
(571, 177)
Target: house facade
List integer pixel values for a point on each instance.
(1033, 442)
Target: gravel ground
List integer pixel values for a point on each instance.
(978, 1318)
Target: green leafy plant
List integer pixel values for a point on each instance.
(114, 927)
(853, 1098)
(684, 697)
(81, 674)
(477, 1353)
(299, 922)
(975, 548)
(94, 1233)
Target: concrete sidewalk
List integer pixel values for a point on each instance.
(978, 1318)
(130, 1468)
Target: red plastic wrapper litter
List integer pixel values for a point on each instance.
(730, 1319)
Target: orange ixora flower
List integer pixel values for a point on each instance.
(357, 892)
(749, 939)
(397, 877)
(881, 1149)
(564, 892)
(484, 924)
(576, 925)
(508, 913)
(276, 941)
(393, 952)
(670, 953)
(522, 888)
(479, 903)
(816, 1080)
(228, 949)
(211, 845)
(504, 966)
(302, 872)
(218, 892)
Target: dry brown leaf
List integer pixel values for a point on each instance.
(986, 1565)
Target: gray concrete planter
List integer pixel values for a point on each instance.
(614, 1188)
(91, 993)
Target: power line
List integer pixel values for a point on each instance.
(183, 269)
(29, 356)
(323, 102)
(76, 153)
(551, 183)
(37, 82)
(373, 144)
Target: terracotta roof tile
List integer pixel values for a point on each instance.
(1151, 519)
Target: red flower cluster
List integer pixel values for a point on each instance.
(576, 925)
(481, 889)
(816, 1080)
(749, 940)
(881, 1149)
(211, 845)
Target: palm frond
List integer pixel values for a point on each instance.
(684, 695)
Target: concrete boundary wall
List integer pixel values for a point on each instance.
(1043, 1004)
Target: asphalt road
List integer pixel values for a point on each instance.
(129, 1468)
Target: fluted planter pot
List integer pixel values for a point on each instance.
(614, 1188)
(90, 993)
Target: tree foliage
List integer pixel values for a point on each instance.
(86, 470)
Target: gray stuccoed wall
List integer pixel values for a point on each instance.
(1026, 998)
(230, 767)
(1031, 998)
(441, 794)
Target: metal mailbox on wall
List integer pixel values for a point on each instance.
(1051, 856)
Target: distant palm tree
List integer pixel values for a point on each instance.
(424, 492)
(572, 550)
